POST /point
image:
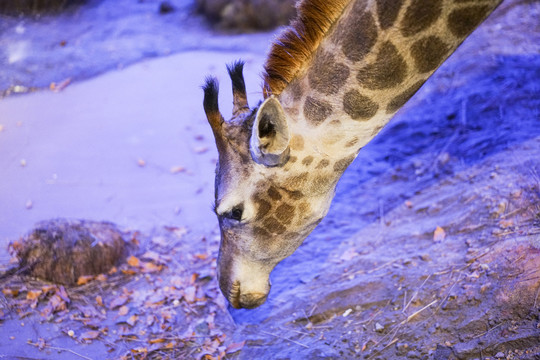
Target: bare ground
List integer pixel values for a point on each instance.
(431, 248)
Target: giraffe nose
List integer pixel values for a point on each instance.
(252, 300)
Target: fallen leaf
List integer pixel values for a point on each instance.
(99, 300)
(133, 261)
(157, 341)
(149, 267)
(152, 255)
(132, 319)
(12, 292)
(177, 169)
(84, 279)
(234, 347)
(141, 162)
(123, 310)
(33, 294)
(101, 277)
(90, 335)
(439, 234)
(119, 301)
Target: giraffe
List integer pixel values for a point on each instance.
(332, 80)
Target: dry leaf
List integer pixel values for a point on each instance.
(99, 300)
(90, 335)
(141, 162)
(33, 294)
(234, 347)
(113, 270)
(152, 255)
(149, 267)
(12, 292)
(132, 319)
(119, 301)
(157, 341)
(133, 261)
(84, 279)
(177, 169)
(189, 294)
(439, 234)
(101, 277)
(123, 310)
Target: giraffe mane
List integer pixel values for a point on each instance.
(294, 46)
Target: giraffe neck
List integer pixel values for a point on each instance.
(375, 56)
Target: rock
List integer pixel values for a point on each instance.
(379, 327)
(499, 355)
(62, 250)
(413, 354)
(247, 15)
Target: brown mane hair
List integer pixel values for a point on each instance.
(293, 48)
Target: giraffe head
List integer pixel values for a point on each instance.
(268, 195)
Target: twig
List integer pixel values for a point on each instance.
(487, 332)
(416, 293)
(284, 338)
(418, 312)
(60, 349)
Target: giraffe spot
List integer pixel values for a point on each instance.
(297, 142)
(304, 208)
(351, 142)
(327, 76)
(296, 182)
(342, 164)
(292, 159)
(285, 213)
(357, 36)
(321, 184)
(260, 232)
(358, 106)
(322, 164)
(402, 98)
(387, 71)
(462, 21)
(387, 12)
(420, 15)
(428, 53)
(295, 194)
(273, 226)
(296, 90)
(316, 111)
(376, 130)
(307, 160)
(335, 122)
(274, 193)
(263, 207)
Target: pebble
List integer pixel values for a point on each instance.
(499, 355)
(379, 327)
(413, 354)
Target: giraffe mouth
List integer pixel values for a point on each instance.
(246, 301)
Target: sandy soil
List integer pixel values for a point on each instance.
(430, 249)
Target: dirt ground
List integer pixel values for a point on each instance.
(430, 249)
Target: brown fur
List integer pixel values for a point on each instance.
(294, 47)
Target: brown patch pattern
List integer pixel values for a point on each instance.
(295, 182)
(263, 207)
(428, 53)
(297, 142)
(316, 111)
(358, 106)
(387, 12)
(462, 21)
(296, 45)
(321, 184)
(351, 142)
(274, 193)
(326, 75)
(357, 35)
(420, 15)
(295, 194)
(322, 164)
(307, 160)
(273, 226)
(285, 213)
(402, 98)
(342, 164)
(387, 71)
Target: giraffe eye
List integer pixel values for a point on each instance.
(236, 213)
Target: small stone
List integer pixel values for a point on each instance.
(413, 354)
(71, 333)
(499, 355)
(165, 8)
(29, 204)
(379, 327)
(23, 162)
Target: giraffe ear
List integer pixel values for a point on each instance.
(269, 144)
